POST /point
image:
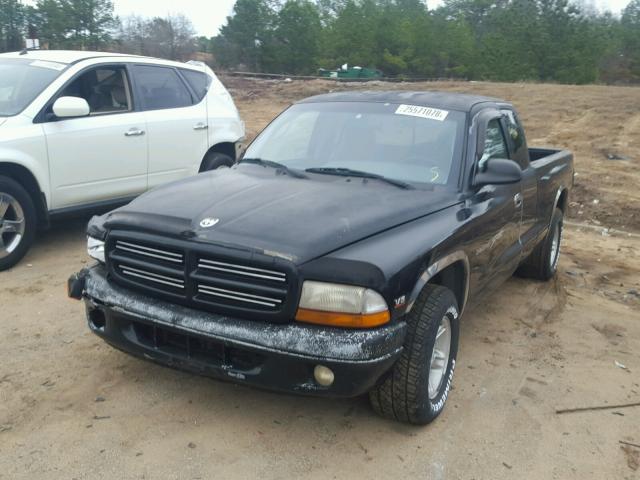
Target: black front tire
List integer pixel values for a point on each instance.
(404, 394)
(22, 197)
(542, 264)
(215, 160)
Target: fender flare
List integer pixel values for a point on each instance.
(561, 190)
(436, 267)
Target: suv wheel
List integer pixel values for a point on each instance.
(214, 160)
(417, 388)
(17, 222)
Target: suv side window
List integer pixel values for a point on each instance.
(105, 89)
(161, 87)
(520, 152)
(198, 81)
(495, 145)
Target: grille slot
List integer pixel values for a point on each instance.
(241, 270)
(152, 277)
(147, 251)
(239, 296)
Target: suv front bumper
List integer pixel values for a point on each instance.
(266, 355)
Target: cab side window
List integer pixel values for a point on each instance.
(198, 81)
(495, 145)
(520, 152)
(161, 87)
(105, 89)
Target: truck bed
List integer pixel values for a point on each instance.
(536, 154)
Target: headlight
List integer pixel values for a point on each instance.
(341, 305)
(95, 249)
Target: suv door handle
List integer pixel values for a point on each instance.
(200, 126)
(517, 200)
(134, 132)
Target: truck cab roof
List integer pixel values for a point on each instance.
(453, 101)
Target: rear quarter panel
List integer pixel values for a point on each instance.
(555, 175)
(224, 120)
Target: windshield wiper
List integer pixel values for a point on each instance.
(279, 166)
(347, 172)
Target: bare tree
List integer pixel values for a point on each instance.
(171, 37)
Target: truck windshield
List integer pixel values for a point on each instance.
(413, 144)
(22, 80)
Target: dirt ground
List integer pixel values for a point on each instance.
(73, 408)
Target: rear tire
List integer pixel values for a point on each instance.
(417, 387)
(18, 222)
(215, 160)
(542, 264)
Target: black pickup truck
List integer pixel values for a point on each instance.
(338, 255)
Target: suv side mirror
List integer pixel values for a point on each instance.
(498, 171)
(66, 107)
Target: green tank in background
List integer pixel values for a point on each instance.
(347, 72)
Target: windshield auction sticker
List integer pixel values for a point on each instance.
(423, 112)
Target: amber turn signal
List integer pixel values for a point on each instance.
(348, 320)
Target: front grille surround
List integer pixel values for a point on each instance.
(207, 277)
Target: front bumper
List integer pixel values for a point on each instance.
(266, 355)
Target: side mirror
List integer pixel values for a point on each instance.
(498, 171)
(66, 107)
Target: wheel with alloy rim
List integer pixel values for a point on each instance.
(554, 255)
(440, 357)
(17, 222)
(416, 389)
(12, 224)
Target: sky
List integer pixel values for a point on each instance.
(209, 15)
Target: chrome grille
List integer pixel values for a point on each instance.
(181, 271)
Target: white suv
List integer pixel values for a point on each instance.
(87, 130)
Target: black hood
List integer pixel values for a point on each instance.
(260, 209)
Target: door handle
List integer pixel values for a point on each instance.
(517, 200)
(134, 132)
(200, 126)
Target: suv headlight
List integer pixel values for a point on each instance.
(341, 305)
(95, 249)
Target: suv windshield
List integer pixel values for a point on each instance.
(413, 144)
(22, 80)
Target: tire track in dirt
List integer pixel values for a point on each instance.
(544, 304)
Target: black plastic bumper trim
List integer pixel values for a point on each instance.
(287, 353)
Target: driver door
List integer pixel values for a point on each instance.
(102, 156)
(497, 235)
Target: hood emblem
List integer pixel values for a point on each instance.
(208, 222)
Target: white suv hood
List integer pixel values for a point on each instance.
(2, 120)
